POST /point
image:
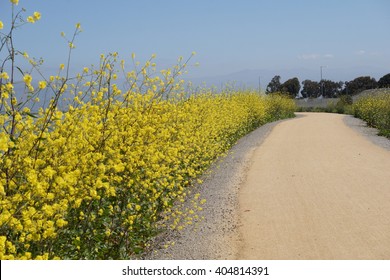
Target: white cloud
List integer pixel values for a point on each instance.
(314, 56)
(367, 53)
(309, 56)
(360, 52)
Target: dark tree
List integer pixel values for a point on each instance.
(310, 89)
(384, 82)
(274, 85)
(291, 87)
(359, 84)
(331, 89)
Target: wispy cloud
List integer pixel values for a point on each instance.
(329, 55)
(360, 52)
(314, 56)
(366, 53)
(311, 56)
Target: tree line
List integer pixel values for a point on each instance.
(326, 88)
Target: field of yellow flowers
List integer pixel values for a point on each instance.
(102, 168)
(96, 182)
(375, 110)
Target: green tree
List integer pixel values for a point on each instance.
(384, 82)
(274, 85)
(291, 87)
(359, 84)
(331, 89)
(310, 89)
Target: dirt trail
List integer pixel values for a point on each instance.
(316, 189)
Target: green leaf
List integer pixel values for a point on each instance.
(20, 70)
(31, 115)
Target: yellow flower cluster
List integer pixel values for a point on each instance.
(375, 110)
(97, 180)
(102, 168)
(35, 17)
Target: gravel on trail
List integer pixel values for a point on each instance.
(217, 236)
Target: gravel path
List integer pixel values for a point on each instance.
(218, 235)
(316, 189)
(370, 133)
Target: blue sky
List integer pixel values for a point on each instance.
(271, 37)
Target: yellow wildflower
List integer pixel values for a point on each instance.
(15, 2)
(3, 142)
(61, 223)
(42, 84)
(37, 16)
(30, 19)
(1, 25)
(4, 75)
(27, 79)
(9, 87)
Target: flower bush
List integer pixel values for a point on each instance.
(375, 110)
(102, 168)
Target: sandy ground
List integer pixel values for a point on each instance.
(316, 189)
(313, 187)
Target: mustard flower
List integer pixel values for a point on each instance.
(42, 84)
(4, 76)
(37, 16)
(1, 25)
(3, 143)
(154, 153)
(9, 86)
(27, 79)
(30, 19)
(15, 2)
(61, 223)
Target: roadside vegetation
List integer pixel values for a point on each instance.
(375, 110)
(102, 175)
